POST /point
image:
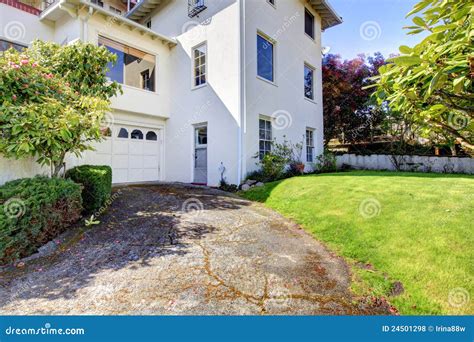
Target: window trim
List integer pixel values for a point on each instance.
(266, 119)
(314, 24)
(309, 66)
(274, 62)
(154, 54)
(193, 66)
(312, 147)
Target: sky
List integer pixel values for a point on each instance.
(369, 26)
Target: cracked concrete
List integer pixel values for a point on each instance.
(175, 249)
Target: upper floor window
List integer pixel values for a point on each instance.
(308, 82)
(134, 67)
(309, 23)
(309, 145)
(6, 45)
(264, 137)
(195, 7)
(265, 58)
(200, 65)
(271, 2)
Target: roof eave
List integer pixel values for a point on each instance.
(329, 16)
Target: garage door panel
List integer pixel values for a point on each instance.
(136, 147)
(150, 162)
(120, 146)
(150, 174)
(120, 161)
(150, 149)
(104, 146)
(135, 175)
(136, 162)
(120, 175)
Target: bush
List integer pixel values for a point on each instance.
(33, 211)
(96, 182)
(326, 162)
(224, 186)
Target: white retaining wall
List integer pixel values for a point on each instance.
(408, 163)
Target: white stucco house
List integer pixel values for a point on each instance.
(207, 83)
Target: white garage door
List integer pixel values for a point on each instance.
(133, 153)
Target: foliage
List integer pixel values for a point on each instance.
(224, 186)
(430, 84)
(274, 164)
(53, 100)
(349, 113)
(33, 211)
(96, 182)
(428, 227)
(326, 162)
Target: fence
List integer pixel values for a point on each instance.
(408, 163)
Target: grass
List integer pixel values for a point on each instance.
(408, 227)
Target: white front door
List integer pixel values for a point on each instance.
(200, 154)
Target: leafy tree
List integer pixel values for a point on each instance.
(430, 84)
(53, 100)
(349, 113)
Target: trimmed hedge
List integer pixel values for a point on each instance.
(33, 211)
(96, 182)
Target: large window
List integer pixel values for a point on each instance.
(309, 145)
(308, 82)
(134, 67)
(6, 45)
(265, 58)
(265, 137)
(200, 65)
(309, 23)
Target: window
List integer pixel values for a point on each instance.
(200, 68)
(309, 145)
(309, 23)
(146, 80)
(123, 133)
(136, 134)
(151, 136)
(115, 10)
(201, 136)
(131, 63)
(265, 137)
(6, 45)
(308, 82)
(265, 58)
(271, 2)
(148, 24)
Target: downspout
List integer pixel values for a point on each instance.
(242, 92)
(85, 25)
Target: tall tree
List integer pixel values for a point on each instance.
(349, 112)
(431, 83)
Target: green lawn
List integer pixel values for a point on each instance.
(409, 227)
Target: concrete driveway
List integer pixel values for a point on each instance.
(175, 249)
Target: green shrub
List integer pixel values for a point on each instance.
(96, 182)
(224, 186)
(326, 162)
(33, 211)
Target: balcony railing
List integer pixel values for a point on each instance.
(195, 7)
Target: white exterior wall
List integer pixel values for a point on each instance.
(284, 99)
(22, 27)
(217, 103)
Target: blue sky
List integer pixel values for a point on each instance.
(369, 26)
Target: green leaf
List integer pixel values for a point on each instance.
(419, 21)
(405, 49)
(406, 60)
